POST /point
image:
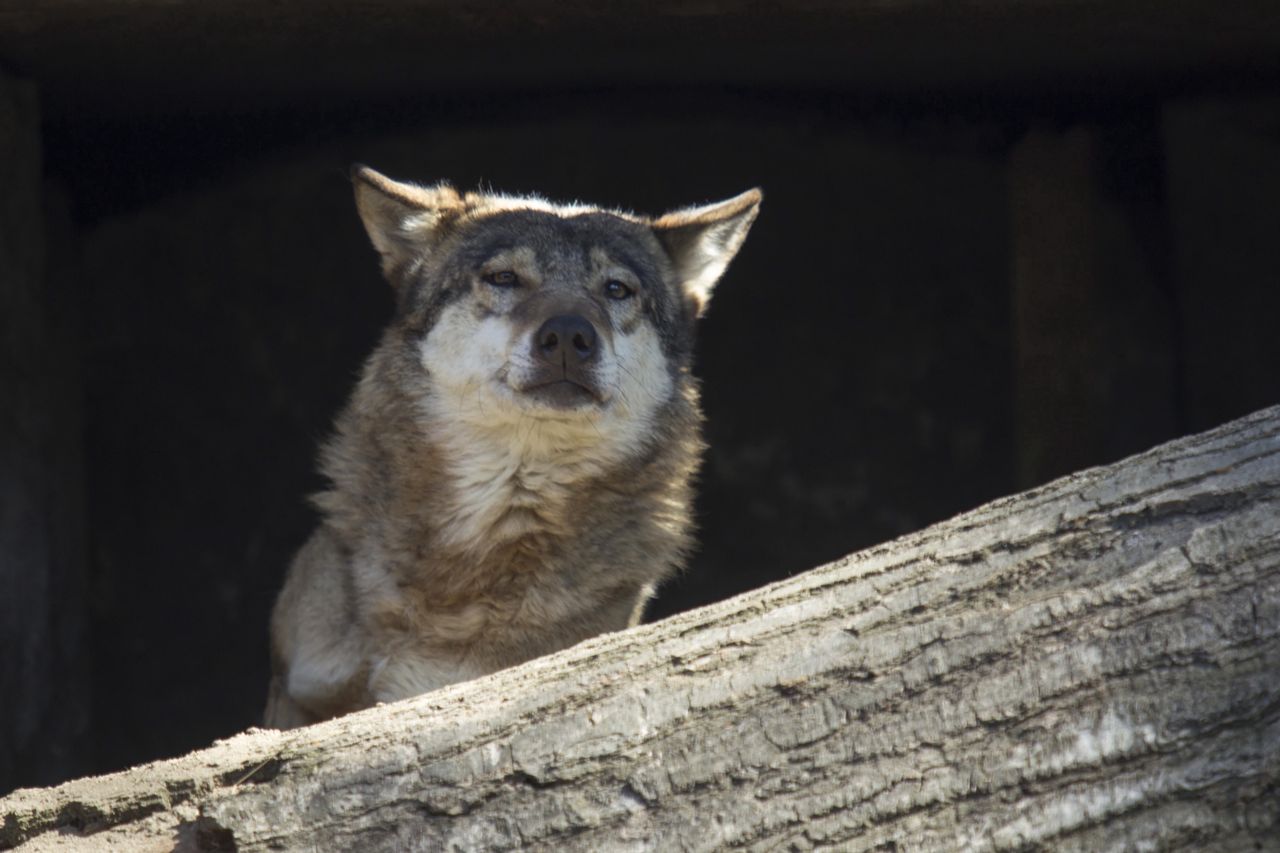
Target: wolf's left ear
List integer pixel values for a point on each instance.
(403, 220)
(702, 240)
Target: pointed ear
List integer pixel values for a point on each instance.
(702, 240)
(403, 220)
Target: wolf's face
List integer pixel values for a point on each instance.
(560, 318)
(556, 317)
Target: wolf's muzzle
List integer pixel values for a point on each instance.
(565, 350)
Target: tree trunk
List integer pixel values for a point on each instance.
(1092, 665)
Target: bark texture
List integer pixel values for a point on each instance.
(1093, 665)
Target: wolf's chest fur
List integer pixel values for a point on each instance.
(500, 492)
(520, 509)
(512, 474)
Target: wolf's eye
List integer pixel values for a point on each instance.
(615, 289)
(502, 278)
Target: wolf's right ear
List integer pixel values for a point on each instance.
(403, 220)
(702, 240)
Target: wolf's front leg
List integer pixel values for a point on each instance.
(282, 712)
(405, 672)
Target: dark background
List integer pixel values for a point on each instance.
(999, 242)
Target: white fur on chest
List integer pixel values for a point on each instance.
(500, 493)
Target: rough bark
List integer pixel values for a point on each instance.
(1092, 665)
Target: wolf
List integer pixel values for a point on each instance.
(512, 473)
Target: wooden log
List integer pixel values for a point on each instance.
(1091, 665)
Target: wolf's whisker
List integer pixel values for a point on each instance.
(640, 384)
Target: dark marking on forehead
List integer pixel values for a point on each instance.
(626, 242)
(556, 239)
(500, 232)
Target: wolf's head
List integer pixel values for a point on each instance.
(520, 310)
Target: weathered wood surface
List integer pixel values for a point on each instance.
(1092, 665)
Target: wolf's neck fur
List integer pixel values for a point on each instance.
(471, 509)
(506, 484)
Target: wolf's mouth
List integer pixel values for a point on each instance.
(563, 394)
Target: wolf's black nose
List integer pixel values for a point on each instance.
(566, 335)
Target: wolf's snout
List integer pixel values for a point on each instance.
(565, 339)
(565, 359)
